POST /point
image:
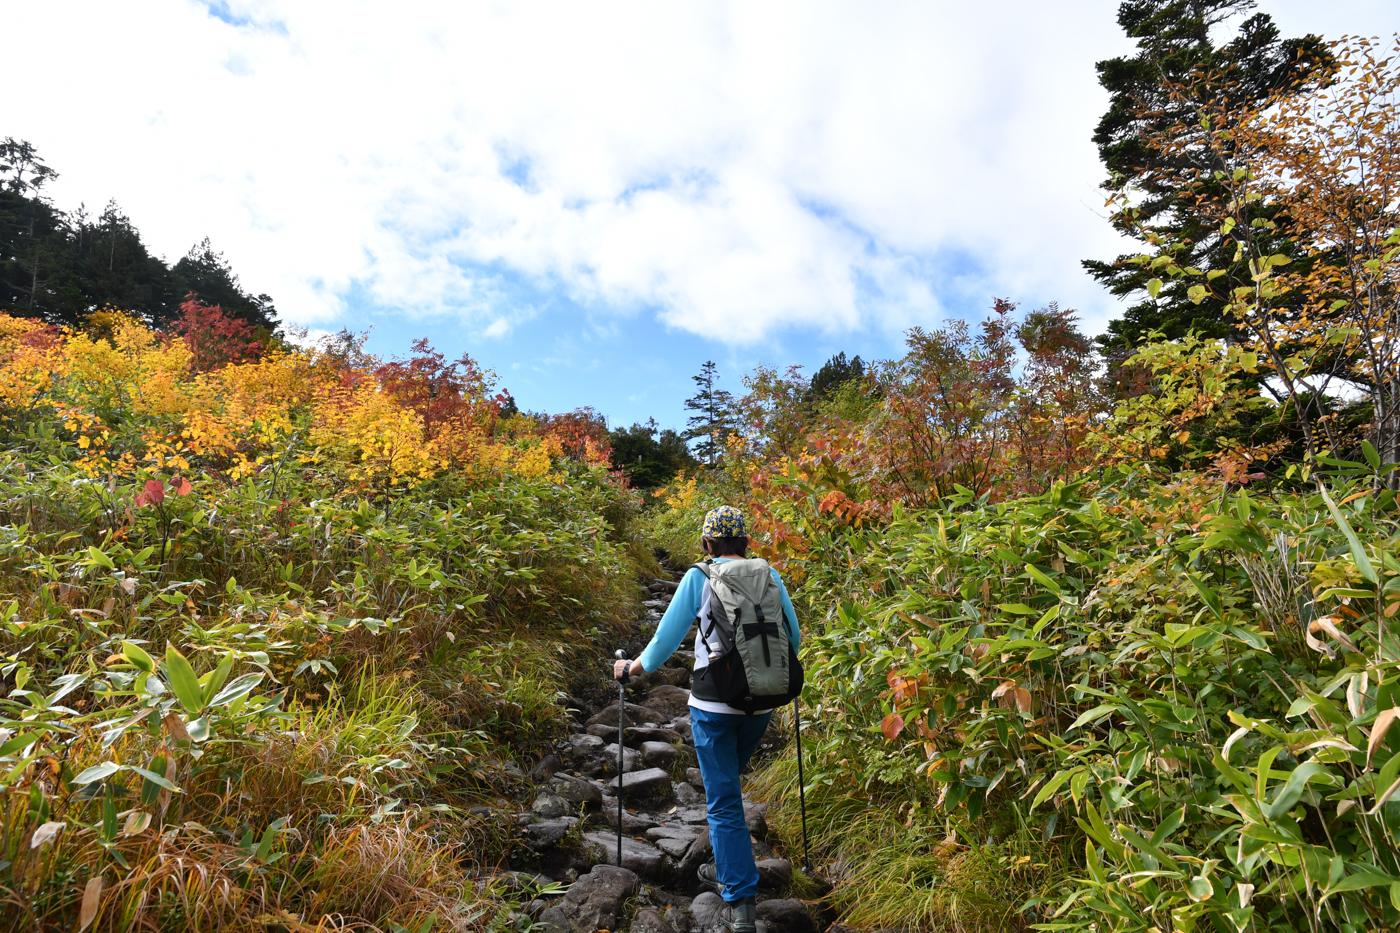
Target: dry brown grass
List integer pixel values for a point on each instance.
(357, 877)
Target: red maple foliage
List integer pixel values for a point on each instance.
(583, 433)
(215, 337)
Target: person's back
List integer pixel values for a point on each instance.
(745, 665)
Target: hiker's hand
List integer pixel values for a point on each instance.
(624, 668)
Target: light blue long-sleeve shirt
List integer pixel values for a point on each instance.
(685, 607)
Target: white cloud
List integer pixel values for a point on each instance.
(730, 167)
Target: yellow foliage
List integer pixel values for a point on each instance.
(373, 438)
(28, 363)
(128, 401)
(681, 494)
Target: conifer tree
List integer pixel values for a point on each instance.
(713, 421)
(1179, 74)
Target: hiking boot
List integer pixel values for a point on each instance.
(738, 916)
(709, 877)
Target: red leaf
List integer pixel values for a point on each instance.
(180, 486)
(155, 491)
(141, 501)
(892, 725)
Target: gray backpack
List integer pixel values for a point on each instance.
(753, 664)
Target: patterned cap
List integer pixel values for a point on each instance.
(723, 522)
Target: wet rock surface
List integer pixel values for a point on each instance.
(569, 828)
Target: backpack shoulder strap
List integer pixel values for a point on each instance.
(704, 567)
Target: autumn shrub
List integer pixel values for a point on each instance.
(1093, 671)
(271, 625)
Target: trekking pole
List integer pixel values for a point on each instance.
(801, 789)
(621, 723)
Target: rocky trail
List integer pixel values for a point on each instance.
(570, 828)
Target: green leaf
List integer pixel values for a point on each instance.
(1050, 787)
(1096, 713)
(1051, 614)
(109, 819)
(96, 773)
(241, 686)
(152, 777)
(137, 655)
(1249, 637)
(217, 678)
(1019, 609)
(1358, 553)
(24, 740)
(1372, 457)
(183, 681)
(99, 557)
(1362, 879)
(1293, 790)
(264, 848)
(1154, 286)
(1197, 294)
(1211, 597)
(1040, 577)
(150, 791)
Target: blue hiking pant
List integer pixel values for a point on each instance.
(723, 743)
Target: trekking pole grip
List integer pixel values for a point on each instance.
(627, 673)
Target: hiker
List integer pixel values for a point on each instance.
(745, 666)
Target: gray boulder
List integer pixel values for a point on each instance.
(670, 701)
(651, 782)
(678, 918)
(546, 768)
(708, 909)
(774, 873)
(576, 790)
(688, 796)
(681, 724)
(699, 852)
(594, 899)
(671, 831)
(786, 916)
(640, 857)
(553, 920)
(631, 759)
(650, 920)
(547, 835)
(635, 715)
(585, 744)
(633, 824)
(636, 736)
(551, 806)
(676, 848)
(659, 754)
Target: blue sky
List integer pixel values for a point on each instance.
(594, 199)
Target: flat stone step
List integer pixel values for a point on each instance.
(641, 857)
(670, 831)
(649, 781)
